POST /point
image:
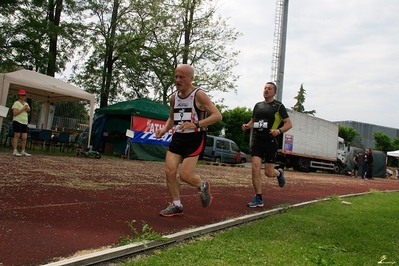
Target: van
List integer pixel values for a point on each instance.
(222, 150)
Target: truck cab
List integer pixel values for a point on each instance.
(341, 156)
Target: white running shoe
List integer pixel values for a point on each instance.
(16, 153)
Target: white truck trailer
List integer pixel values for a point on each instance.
(311, 144)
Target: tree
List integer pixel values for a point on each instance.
(382, 142)
(216, 128)
(205, 45)
(350, 135)
(123, 48)
(33, 36)
(395, 144)
(99, 74)
(54, 18)
(146, 52)
(72, 110)
(190, 34)
(233, 120)
(299, 107)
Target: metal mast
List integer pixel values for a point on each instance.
(279, 42)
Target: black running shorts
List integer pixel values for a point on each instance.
(265, 148)
(187, 144)
(19, 128)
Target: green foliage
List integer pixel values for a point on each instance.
(382, 142)
(233, 120)
(216, 128)
(395, 143)
(114, 40)
(121, 49)
(334, 197)
(146, 234)
(71, 110)
(357, 141)
(135, 52)
(350, 135)
(299, 107)
(35, 36)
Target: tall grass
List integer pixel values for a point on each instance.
(365, 232)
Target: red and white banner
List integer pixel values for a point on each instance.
(145, 128)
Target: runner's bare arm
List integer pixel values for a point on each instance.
(204, 103)
(170, 122)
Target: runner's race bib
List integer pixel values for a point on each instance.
(260, 125)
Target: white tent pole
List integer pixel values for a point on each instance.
(91, 120)
(4, 87)
(46, 114)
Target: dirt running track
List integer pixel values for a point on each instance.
(54, 206)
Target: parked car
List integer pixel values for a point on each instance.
(223, 150)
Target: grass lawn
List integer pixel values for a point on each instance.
(364, 232)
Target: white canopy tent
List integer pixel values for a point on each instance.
(393, 153)
(43, 88)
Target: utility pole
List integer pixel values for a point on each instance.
(279, 43)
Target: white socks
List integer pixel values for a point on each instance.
(177, 203)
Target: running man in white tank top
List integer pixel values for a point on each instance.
(187, 116)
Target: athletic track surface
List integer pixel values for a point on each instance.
(52, 207)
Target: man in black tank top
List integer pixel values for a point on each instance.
(188, 123)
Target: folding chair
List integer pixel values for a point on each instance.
(43, 139)
(9, 136)
(62, 140)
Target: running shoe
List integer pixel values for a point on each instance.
(172, 210)
(281, 179)
(257, 202)
(25, 154)
(205, 193)
(16, 153)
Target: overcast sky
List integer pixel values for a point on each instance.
(346, 54)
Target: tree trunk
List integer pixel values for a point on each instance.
(54, 17)
(188, 24)
(109, 61)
